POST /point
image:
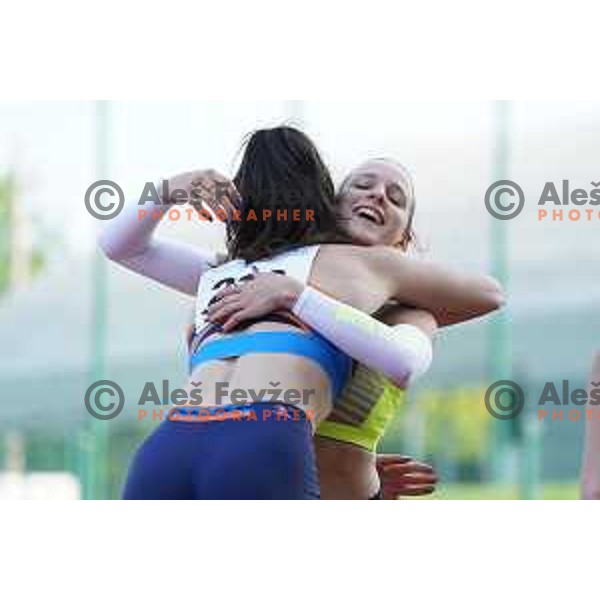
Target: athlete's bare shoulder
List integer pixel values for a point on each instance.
(346, 260)
(366, 256)
(356, 275)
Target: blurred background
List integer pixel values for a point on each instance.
(68, 317)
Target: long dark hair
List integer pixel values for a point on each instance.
(281, 170)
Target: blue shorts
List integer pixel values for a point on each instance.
(263, 451)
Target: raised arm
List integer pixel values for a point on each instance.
(129, 240)
(368, 277)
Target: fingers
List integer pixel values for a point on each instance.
(402, 476)
(414, 484)
(408, 469)
(202, 215)
(408, 488)
(230, 199)
(222, 299)
(394, 493)
(216, 190)
(230, 290)
(392, 459)
(415, 479)
(398, 465)
(219, 302)
(224, 309)
(236, 318)
(409, 476)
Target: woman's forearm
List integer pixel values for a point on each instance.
(402, 352)
(367, 278)
(129, 240)
(450, 295)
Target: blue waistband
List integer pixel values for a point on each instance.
(310, 345)
(235, 412)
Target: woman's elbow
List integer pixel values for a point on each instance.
(414, 363)
(405, 376)
(111, 248)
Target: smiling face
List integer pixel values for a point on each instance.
(376, 204)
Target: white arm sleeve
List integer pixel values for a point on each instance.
(402, 353)
(128, 241)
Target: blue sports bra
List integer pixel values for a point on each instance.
(310, 345)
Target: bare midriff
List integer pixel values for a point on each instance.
(218, 379)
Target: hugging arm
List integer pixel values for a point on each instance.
(402, 352)
(387, 274)
(451, 296)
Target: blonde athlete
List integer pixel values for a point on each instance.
(376, 206)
